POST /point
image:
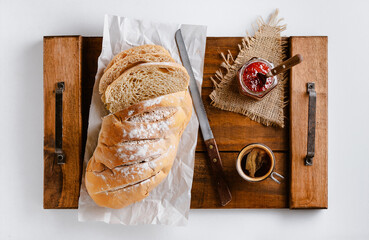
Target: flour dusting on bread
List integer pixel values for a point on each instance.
(146, 93)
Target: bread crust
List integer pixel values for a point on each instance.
(113, 177)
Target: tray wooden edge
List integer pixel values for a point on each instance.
(309, 184)
(322, 203)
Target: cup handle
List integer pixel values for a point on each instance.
(274, 179)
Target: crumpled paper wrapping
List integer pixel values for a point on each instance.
(169, 203)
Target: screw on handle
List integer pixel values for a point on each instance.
(59, 153)
(284, 66)
(311, 124)
(216, 167)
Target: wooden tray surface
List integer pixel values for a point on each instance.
(73, 59)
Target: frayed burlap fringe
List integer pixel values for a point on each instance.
(266, 44)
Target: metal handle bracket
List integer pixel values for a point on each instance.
(59, 153)
(311, 124)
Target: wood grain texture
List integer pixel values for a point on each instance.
(214, 47)
(62, 62)
(232, 131)
(91, 51)
(265, 194)
(309, 184)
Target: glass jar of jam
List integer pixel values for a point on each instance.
(250, 84)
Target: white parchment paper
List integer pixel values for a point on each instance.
(169, 203)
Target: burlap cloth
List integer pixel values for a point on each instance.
(266, 44)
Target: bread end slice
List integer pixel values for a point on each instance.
(144, 49)
(126, 63)
(143, 82)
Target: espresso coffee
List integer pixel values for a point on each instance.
(260, 165)
(256, 162)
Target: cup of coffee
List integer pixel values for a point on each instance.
(256, 162)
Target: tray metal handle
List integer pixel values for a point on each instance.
(311, 124)
(59, 153)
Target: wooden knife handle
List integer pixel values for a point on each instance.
(284, 66)
(217, 170)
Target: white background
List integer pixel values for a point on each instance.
(24, 23)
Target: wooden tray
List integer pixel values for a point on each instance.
(73, 59)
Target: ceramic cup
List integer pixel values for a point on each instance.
(240, 165)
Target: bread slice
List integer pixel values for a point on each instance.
(126, 178)
(124, 64)
(145, 81)
(138, 50)
(122, 196)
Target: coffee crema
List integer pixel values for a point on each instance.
(256, 163)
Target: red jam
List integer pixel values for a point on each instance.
(251, 80)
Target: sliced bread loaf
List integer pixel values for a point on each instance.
(138, 50)
(145, 81)
(124, 64)
(136, 149)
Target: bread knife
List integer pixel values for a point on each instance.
(215, 161)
